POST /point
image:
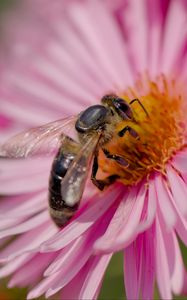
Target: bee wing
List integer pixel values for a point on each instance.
(42, 140)
(72, 185)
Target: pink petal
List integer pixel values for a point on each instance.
(175, 33)
(109, 33)
(175, 262)
(31, 272)
(19, 112)
(54, 74)
(64, 258)
(79, 52)
(124, 226)
(26, 225)
(84, 20)
(135, 19)
(177, 278)
(72, 289)
(9, 222)
(15, 264)
(87, 217)
(139, 268)
(164, 202)
(23, 184)
(162, 268)
(148, 264)
(151, 208)
(94, 277)
(42, 287)
(181, 224)
(13, 208)
(154, 36)
(178, 188)
(74, 256)
(28, 242)
(131, 272)
(67, 274)
(180, 161)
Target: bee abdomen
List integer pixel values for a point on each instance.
(59, 211)
(61, 217)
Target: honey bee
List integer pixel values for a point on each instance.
(95, 128)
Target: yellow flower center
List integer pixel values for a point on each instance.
(161, 134)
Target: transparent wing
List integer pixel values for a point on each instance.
(72, 185)
(42, 140)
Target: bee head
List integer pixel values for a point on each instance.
(118, 105)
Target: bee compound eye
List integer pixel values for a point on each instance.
(94, 117)
(123, 108)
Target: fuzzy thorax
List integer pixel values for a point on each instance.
(161, 134)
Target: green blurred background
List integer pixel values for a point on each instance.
(113, 286)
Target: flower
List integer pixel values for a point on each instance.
(90, 48)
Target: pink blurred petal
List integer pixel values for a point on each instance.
(83, 19)
(28, 242)
(154, 37)
(22, 181)
(79, 52)
(9, 223)
(15, 264)
(54, 74)
(28, 206)
(178, 188)
(31, 272)
(32, 118)
(184, 290)
(108, 33)
(24, 185)
(175, 33)
(26, 225)
(135, 19)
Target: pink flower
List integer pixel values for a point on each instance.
(76, 55)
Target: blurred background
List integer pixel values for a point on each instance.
(113, 287)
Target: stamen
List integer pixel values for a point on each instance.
(161, 130)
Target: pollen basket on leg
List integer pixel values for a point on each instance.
(156, 132)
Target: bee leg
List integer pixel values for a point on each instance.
(139, 102)
(131, 131)
(100, 184)
(119, 159)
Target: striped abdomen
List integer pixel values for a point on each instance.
(59, 210)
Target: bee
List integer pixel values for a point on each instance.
(94, 127)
